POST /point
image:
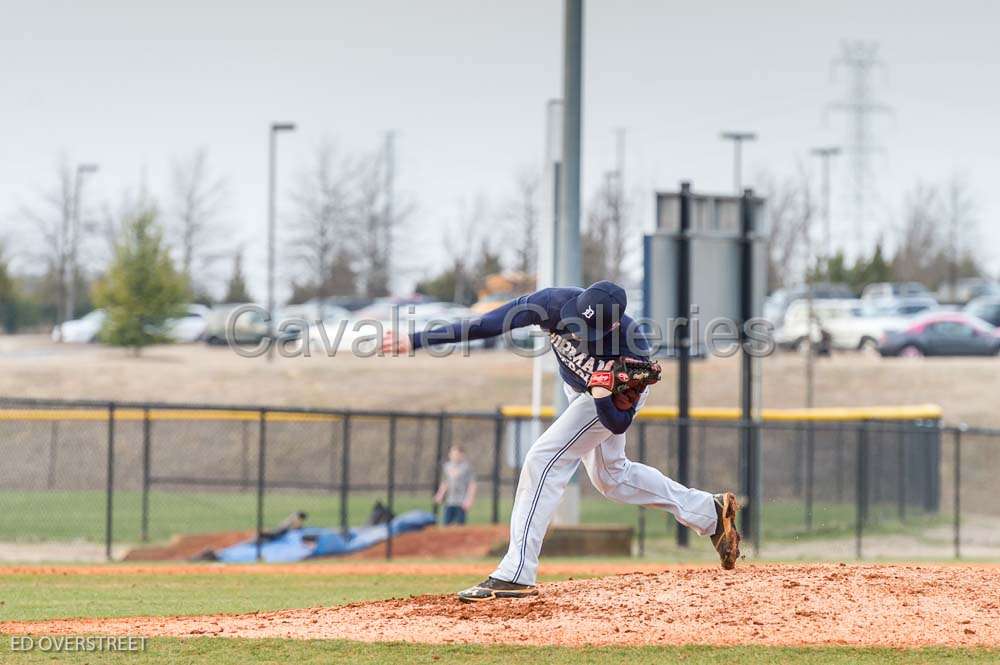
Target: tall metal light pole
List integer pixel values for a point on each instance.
(738, 138)
(812, 269)
(74, 239)
(569, 270)
(276, 127)
(825, 153)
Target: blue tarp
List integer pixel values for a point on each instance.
(310, 542)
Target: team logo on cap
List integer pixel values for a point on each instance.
(588, 313)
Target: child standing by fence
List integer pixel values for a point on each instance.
(458, 487)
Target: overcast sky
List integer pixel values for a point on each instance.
(132, 85)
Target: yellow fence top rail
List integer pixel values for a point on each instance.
(163, 414)
(825, 414)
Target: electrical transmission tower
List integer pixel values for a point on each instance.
(860, 106)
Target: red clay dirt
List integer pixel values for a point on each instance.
(330, 567)
(187, 546)
(862, 605)
(439, 542)
(433, 542)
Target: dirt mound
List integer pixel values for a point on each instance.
(443, 541)
(870, 605)
(435, 542)
(186, 547)
(333, 567)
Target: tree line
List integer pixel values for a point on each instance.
(482, 241)
(146, 255)
(933, 239)
(142, 256)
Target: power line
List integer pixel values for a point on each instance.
(860, 105)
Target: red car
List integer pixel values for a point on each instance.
(943, 334)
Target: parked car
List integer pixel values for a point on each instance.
(80, 331)
(314, 310)
(967, 290)
(891, 290)
(796, 329)
(190, 327)
(905, 306)
(986, 308)
(863, 329)
(776, 304)
(251, 327)
(943, 334)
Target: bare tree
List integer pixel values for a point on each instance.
(522, 212)
(198, 199)
(461, 245)
(593, 249)
(921, 245)
(959, 211)
(325, 219)
(236, 289)
(790, 210)
(374, 226)
(605, 239)
(380, 212)
(53, 220)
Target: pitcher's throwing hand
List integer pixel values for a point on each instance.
(393, 344)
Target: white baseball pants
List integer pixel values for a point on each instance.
(577, 435)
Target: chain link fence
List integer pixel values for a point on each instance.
(119, 474)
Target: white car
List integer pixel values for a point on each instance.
(862, 330)
(80, 331)
(849, 324)
(890, 290)
(313, 311)
(797, 330)
(190, 327)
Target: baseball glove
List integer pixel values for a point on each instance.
(626, 380)
(626, 399)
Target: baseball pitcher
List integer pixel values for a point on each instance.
(606, 370)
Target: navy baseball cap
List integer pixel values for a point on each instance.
(600, 306)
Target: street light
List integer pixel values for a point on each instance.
(825, 153)
(738, 138)
(276, 127)
(812, 269)
(72, 239)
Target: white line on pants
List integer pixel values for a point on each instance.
(577, 435)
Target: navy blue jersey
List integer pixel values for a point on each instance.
(577, 357)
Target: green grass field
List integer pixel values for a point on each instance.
(80, 515)
(225, 651)
(41, 597)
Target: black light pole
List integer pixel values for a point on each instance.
(683, 345)
(750, 431)
(271, 206)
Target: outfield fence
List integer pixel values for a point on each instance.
(832, 483)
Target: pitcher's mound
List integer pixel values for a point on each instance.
(871, 605)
